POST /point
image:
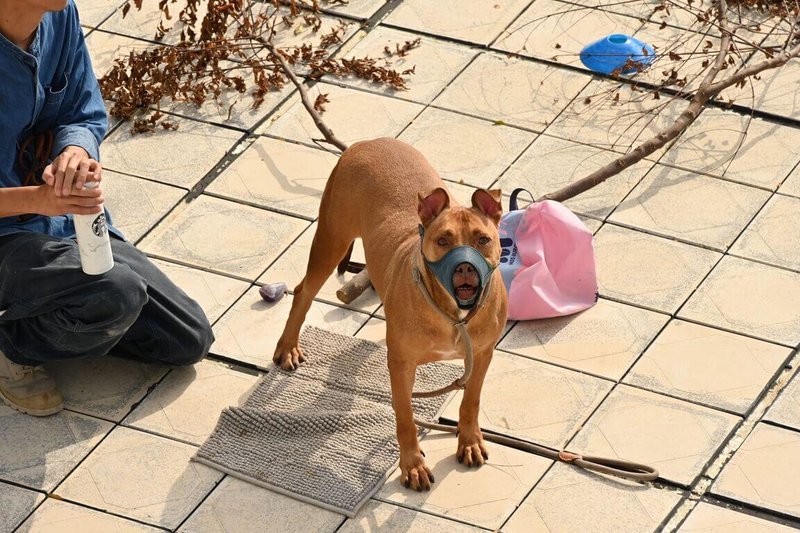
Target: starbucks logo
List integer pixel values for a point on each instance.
(99, 226)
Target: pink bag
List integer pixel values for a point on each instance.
(547, 261)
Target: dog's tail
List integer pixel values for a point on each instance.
(349, 266)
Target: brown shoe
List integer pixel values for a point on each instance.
(28, 389)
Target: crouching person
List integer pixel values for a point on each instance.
(52, 120)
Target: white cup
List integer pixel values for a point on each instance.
(93, 241)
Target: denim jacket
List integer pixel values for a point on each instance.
(50, 87)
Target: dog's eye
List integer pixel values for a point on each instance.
(483, 241)
(441, 241)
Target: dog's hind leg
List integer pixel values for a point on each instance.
(327, 249)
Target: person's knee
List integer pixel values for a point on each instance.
(197, 345)
(119, 296)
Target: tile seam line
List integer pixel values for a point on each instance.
(410, 507)
(750, 509)
(741, 423)
(704, 482)
(106, 512)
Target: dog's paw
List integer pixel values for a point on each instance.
(414, 474)
(288, 357)
(471, 450)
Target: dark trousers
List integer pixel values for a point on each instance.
(53, 311)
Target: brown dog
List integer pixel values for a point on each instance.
(374, 193)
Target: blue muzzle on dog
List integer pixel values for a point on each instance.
(445, 268)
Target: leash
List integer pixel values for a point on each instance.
(604, 465)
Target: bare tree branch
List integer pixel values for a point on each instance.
(696, 106)
(315, 116)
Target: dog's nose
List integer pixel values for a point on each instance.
(464, 269)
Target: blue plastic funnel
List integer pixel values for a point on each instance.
(611, 53)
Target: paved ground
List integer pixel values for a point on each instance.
(679, 365)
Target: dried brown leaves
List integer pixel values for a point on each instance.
(224, 50)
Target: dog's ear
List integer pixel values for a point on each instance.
(430, 206)
(488, 203)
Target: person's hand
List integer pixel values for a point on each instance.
(70, 170)
(81, 202)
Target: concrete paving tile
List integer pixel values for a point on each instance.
(136, 205)
(776, 91)
(362, 9)
(597, 117)
(716, 144)
(603, 340)
(16, 503)
(279, 175)
(551, 163)
(707, 518)
(249, 331)
(171, 409)
(786, 409)
(679, 14)
(689, 206)
(468, 20)
(690, 54)
(105, 387)
(569, 499)
(462, 193)
(558, 31)
(708, 366)
(515, 91)
(709, 144)
(792, 184)
(774, 235)
(463, 148)
(141, 476)
(556, 400)
(237, 506)
(764, 471)
(749, 298)
(435, 63)
(105, 47)
(55, 516)
(641, 9)
(377, 516)
(213, 292)
(374, 330)
(180, 157)
(647, 270)
(300, 32)
(40, 452)
(93, 12)
(255, 237)
(353, 116)
(290, 268)
(483, 497)
(142, 23)
(676, 437)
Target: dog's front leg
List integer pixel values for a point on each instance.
(414, 473)
(471, 450)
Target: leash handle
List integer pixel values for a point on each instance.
(604, 465)
(512, 201)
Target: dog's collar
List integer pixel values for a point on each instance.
(460, 324)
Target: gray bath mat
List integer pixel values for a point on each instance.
(325, 433)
